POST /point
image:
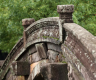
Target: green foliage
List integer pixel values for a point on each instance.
(13, 11)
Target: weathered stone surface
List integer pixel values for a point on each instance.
(41, 50)
(35, 57)
(85, 74)
(54, 71)
(52, 21)
(50, 32)
(24, 38)
(75, 65)
(20, 68)
(40, 54)
(54, 47)
(87, 40)
(65, 12)
(65, 16)
(53, 56)
(1, 62)
(73, 73)
(26, 22)
(70, 41)
(49, 40)
(60, 22)
(65, 8)
(84, 46)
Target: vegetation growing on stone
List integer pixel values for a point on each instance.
(13, 11)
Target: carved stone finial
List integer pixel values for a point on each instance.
(27, 22)
(65, 11)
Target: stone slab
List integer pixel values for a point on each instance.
(20, 68)
(54, 71)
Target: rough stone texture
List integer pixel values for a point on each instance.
(54, 47)
(65, 16)
(24, 38)
(78, 43)
(45, 22)
(46, 34)
(54, 71)
(35, 57)
(53, 56)
(65, 8)
(51, 40)
(74, 65)
(20, 68)
(1, 62)
(41, 50)
(40, 54)
(73, 74)
(65, 12)
(27, 22)
(87, 40)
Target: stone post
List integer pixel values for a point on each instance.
(65, 12)
(25, 23)
(65, 16)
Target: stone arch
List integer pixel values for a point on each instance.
(52, 42)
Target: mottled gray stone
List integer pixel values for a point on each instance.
(52, 56)
(65, 8)
(54, 47)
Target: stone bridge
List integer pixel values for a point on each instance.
(52, 48)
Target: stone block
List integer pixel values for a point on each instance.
(42, 50)
(54, 71)
(20, 68)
